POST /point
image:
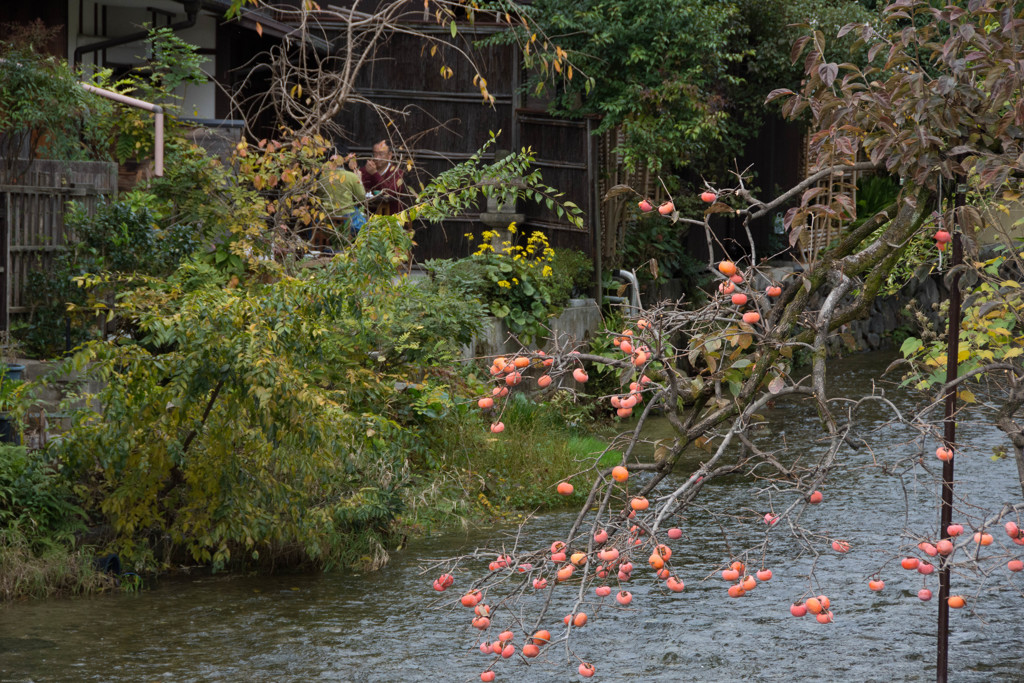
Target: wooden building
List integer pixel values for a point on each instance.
(447, 122)
(444, 120)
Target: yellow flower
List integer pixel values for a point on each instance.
(546, 272)
(469, 236)
(505, 284)
(512, 227)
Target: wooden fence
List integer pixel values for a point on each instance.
(444, 122)
(32, 212)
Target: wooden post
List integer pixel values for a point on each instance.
(5, 261)
(594, 209)
(948, 439)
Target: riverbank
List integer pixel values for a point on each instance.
(468, 478)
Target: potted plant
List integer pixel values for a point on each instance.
(10, 389)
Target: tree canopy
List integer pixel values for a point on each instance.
(684, 80)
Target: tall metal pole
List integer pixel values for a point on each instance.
(948, 438)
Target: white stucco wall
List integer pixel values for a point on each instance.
(85, 26)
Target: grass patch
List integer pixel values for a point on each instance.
(518, 470)
(38, 523)
(40, 569)
(591, 446)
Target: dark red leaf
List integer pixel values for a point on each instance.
(828, 72)
(810, 194)
(798, 47)
(777, 93)
(846, 29)
(794, 234)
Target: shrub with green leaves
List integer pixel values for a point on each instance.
(172, 63)
(572, 275)
(515, 281)
(992, 329)
(34, 497)
(126, 238)
(245, 421)
(45, 113)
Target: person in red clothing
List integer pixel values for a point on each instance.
(382, 174)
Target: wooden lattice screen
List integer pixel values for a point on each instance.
(615, 207)
(822, 230)
(32, 229)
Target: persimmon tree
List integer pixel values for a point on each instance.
(991, 342)
(936, 108)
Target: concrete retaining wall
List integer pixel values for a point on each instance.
(888, 313)
(578, 321)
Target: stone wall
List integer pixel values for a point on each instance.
(45, 418)
(890, 313)
(578, 321)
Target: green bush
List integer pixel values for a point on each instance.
(254, 411)
(45, 111)
(34, 498)
(523, 285)
(38, 526)
(123, 238)
(572, 275)
(144, 232)
(245, 422)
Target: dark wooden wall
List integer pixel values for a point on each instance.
(776, 158)
(445, 121)
(566, 152)
(53, 13)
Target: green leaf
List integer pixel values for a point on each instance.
(910, 346)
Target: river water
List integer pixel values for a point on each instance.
(391, 626)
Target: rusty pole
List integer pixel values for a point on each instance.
(949, 437)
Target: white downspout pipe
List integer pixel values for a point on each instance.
(158, 144)
(634, 292)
